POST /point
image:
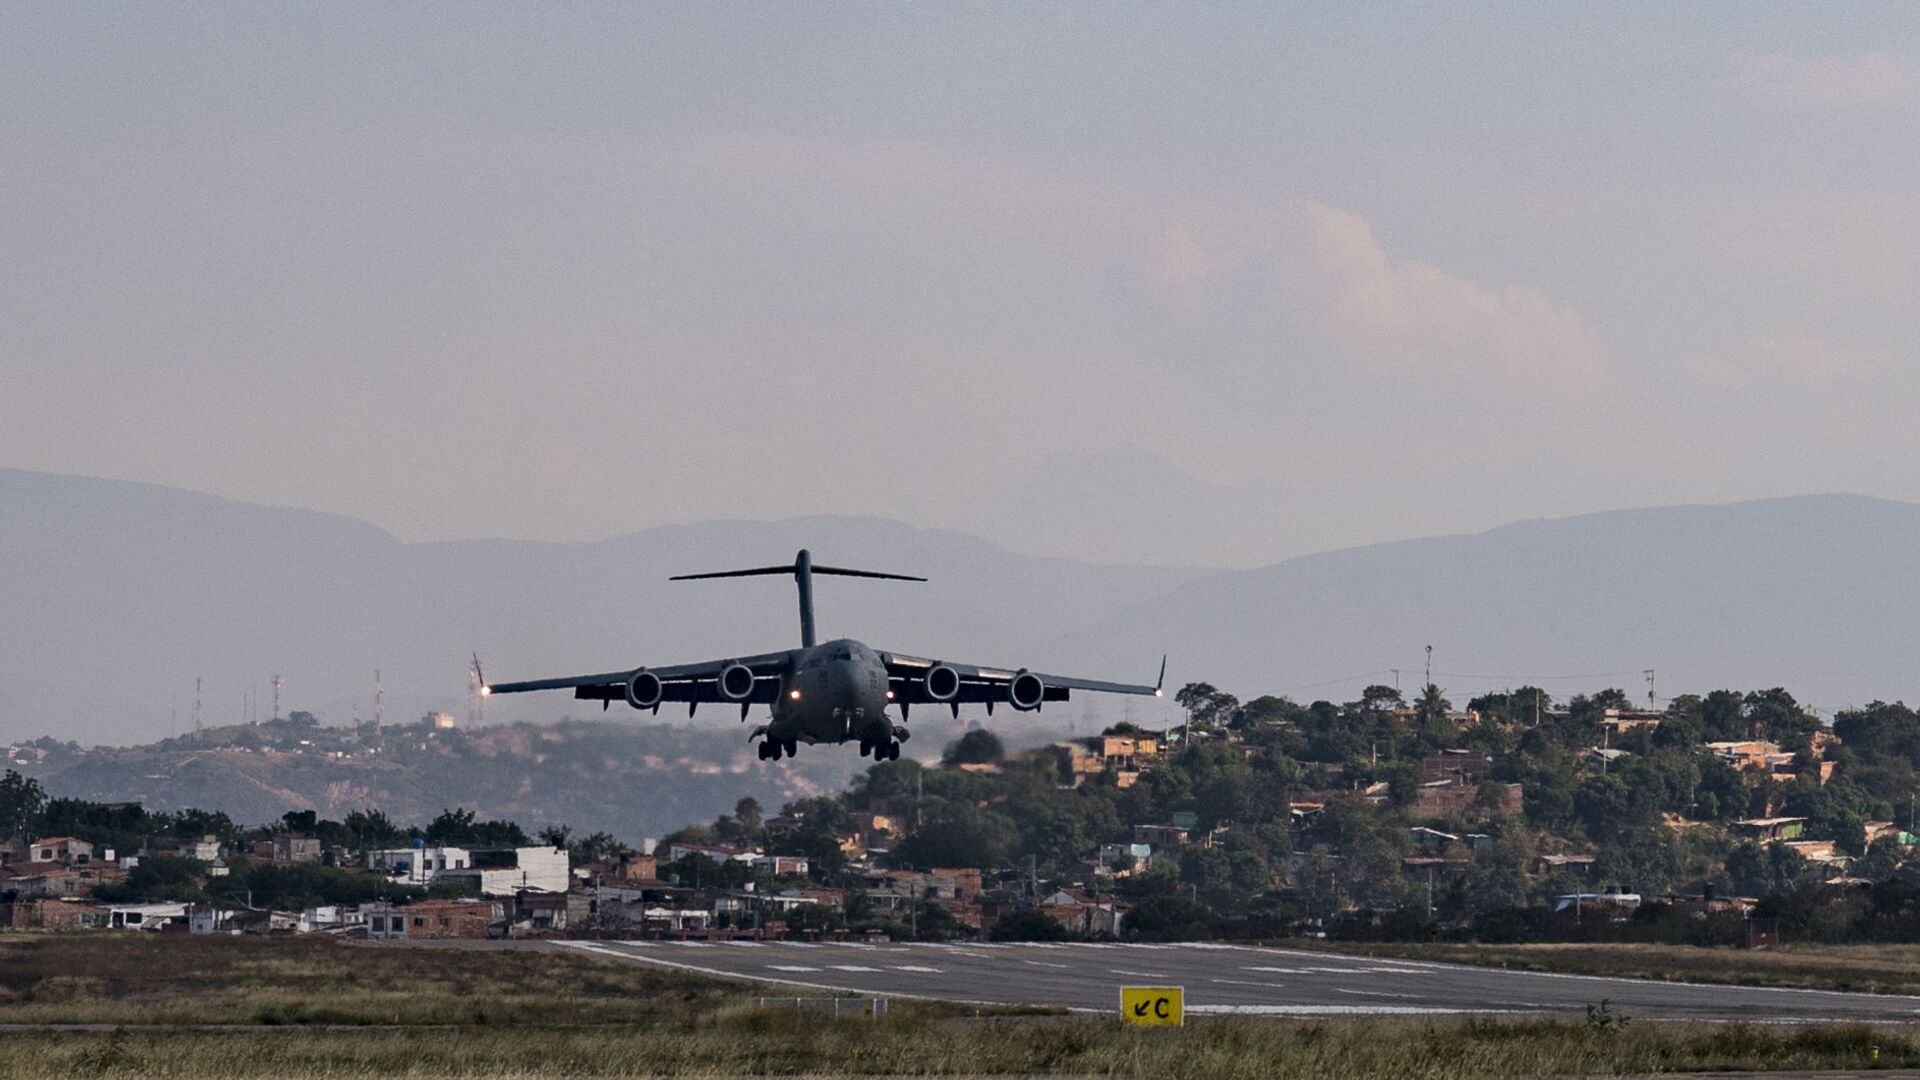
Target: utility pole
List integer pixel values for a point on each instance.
(1429, 894)
(1429, 667)
(1652, 704)
(913, 911)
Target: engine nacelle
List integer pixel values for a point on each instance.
(1026, 691)
(942, 683)
(735, 682)
(644, 690)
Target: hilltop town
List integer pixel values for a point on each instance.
(1729, 815)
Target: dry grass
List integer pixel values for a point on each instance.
(522, 1013)
(1878, 969)
(120, 978)
(734, 1042)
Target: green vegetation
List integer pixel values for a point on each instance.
(309, 1007)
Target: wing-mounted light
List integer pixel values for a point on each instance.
(644, 690)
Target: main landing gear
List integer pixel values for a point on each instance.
(888, 750)
(774, 749)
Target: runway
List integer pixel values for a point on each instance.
(1230, 979)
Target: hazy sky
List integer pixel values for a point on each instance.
(1213, 285)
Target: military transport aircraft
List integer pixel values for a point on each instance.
(825, 693)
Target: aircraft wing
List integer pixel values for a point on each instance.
(692, 683)
(989, 685)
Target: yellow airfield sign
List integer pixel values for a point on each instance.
(1151, 1004)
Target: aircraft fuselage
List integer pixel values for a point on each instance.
(833, 692)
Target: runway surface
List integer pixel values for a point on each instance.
(1226, 979)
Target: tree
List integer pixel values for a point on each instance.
(977, 747)
(747, 813)
(1206, 706)
(22, 801)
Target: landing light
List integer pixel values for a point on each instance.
(486, 691)
(1157, 692)
(889, 695)
(794, 694)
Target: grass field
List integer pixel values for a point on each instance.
(1878, 969)
(303, 1007)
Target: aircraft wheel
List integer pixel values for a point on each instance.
(893, 751)
(763, 748)
(793, 747)
(865, 748)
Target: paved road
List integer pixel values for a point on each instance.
(1229, 979)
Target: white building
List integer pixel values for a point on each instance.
(505, 871)
(145, 916)
(418, 865)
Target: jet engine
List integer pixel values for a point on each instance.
(736, 682)
(1026, 691)
(644, 690)
(942, 683)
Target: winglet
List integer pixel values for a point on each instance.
(1162, 680)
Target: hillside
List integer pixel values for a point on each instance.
(1816, 593)
(119, 595)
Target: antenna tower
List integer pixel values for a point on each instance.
(278, 682)
(196, 708)
(378, 696)
(1653, 704)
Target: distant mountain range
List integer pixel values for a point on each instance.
(117, 595)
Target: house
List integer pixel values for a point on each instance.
(1819, 851)
(1769, 829)
(295, 847)
(428, 919)
(1092, 918)
(417, 865)
(50, 913)
(1129, 751)
(146, 916)
(624, 867)
(1753, 755)
(718, 853)
(1877, 829)
(1617, 906)
(65, 850)
(781, 865)
(206, 849)
(540, 912)
(1619, 720)
(1113, 854)
(1160, 836)
(12, 850)
(506, 871)
(1578, 864)
(1460, 766)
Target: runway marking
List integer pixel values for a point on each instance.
(1339, 1011)
(1373, 993)
(851, 967)
(1137, 974)
(588, 946)
(1245, 982)
(916, 967)
(792, 967)
(1043, 963)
